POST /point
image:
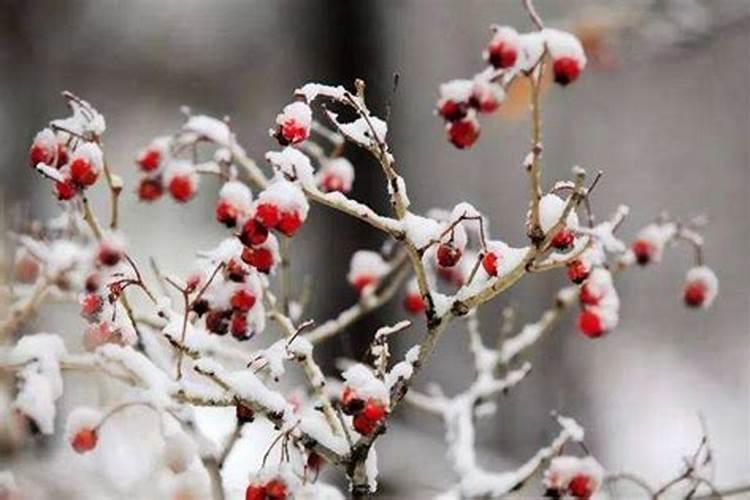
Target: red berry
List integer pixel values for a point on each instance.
(695, 294)
(149, 160)
(91, 305)
(566, 70)
(485, 97)
(463, 133)
(564, 239)
(84, 440)
(62, 155)
(181, 188)
(643, 251)
(238, 326)
(253, 233)
(351, 404)
(364, 425)
(291, 132)
(276, 490)
(581, 487)
(501, 55)
(255, 492)
(150, 189)
(490, 262)
(260, 258)
(82, 172)
(448, 255)
(65, 190)
(452, 110)
(226, 213)
(236, 271)
(578, 271)
(39, 153)
(590, 324)
(414, 303)
(242, 300)
(268, 215)
(92, 283)
(588, 297)
(289, 223)
(374, 410)
(364, 281)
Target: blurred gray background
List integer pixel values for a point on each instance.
(664, 110)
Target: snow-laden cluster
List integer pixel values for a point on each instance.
(68, 153)
(509, 56)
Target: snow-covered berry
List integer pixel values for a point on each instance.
(91, 305)
(153, 156)
(578, 270)
(413, 301)
(181, 180)
(650, 242)
(564, 240)
(293, 123)
(65, 189)
(336, 175)
(502, 51)
(590, 323)
(44, 148)
(81, 429)
(366, 269)
(234, 203)
(110, 251)
(453, 103)
(568, 56)
(253, 233)
(701, 287)
(577, 477)
(218, 321)
(486, 97)
(463, 133)
(243, 300)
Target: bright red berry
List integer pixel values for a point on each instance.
(253, 233)
(242, 300)
(40, 153)
(364, 425)
(268, 215)
(452, 110)
(490, 263)
(590, 324)
(149, 160)
(414, 303)
(581, 487)
(260, 258)
(65, 190)
(695, 294)
(150, 189)
(566, 70)
(374, 410)
(238, 326)
(448, 255)
(501, 54)
(276, 490)
(463, 133)
(82, 172)
(84, 440)
(289, 223)
(182, 188)
(364, 281)
(564, 239)
(643, 251)
(226, 213)
(255, 492)
(578, 271)
(588, 297)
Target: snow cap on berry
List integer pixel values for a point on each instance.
(336, 175)
(294, 123)
(365, 384)
(80, 428)
(181, 179)
(551, 208)
(701, 287)
(532, 49)
(179, 451)
(366, 269)
(568, 56)
(563, 469)
(237, 198)
(153, 156)
(503, 50)
(286, 197)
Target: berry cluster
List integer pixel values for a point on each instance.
(509, 55)
(68, 153)
(368, 413)
(274, 489)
